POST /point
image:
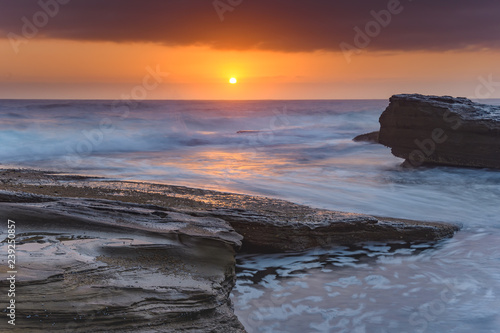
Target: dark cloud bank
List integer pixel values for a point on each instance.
(283, 25)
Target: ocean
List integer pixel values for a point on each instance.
(300, 151)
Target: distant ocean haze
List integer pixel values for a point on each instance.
(301, 151)
(297, 150)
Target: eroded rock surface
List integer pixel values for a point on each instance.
(103, 266)
(442, 130)
(107, 256)
(281, 231)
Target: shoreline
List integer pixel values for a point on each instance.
(175, 242)
(227, 206)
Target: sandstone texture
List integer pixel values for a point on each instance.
(86, 265)
(442, 131)
(107, 256)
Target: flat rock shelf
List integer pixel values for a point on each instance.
(108, 256)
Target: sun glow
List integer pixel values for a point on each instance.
(233, 80)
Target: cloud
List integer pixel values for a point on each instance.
(282, 25)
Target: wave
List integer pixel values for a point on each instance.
(297, 150)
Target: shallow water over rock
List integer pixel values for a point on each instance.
(304, 153)
(451, 286)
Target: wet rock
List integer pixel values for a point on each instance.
(266, 224)
(282, 231)
(442, 130)
(95, 265)
(134, 257)
(368, 137)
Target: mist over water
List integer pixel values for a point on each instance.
(301, 151)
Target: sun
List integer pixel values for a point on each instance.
(233, 80)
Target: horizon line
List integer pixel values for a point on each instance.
(221, 100)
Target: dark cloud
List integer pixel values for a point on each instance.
(285, 25)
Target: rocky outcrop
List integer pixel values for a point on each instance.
(102, 266)
(131, 257)
(442, 130)
(371, 137)
(301, 228)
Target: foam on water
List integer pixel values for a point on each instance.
(301, 151)
(451, 287)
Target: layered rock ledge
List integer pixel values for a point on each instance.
(104, 256)
(441, 130)
(86, 265)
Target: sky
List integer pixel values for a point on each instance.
(276, 49)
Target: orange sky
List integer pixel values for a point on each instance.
(283, 63)
(72, 69)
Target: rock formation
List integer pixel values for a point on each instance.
(132, 257)
(442, 130)
(368, 137)
(94, 265)
(300, 228)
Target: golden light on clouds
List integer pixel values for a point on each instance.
(290, 52)
(73, 69)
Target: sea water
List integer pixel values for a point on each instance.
(300, 151)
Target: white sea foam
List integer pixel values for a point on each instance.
(301, 151)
